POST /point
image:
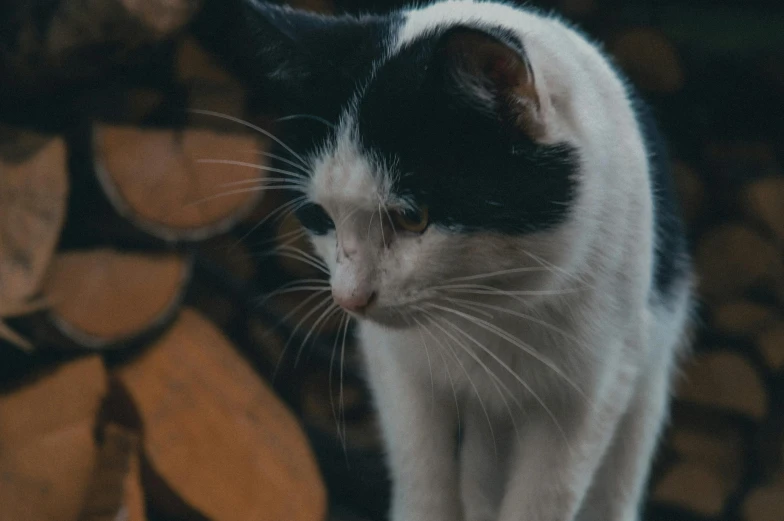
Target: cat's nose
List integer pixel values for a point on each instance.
(356, 302)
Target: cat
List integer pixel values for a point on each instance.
(493, 206)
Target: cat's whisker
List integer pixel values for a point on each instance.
(429, 364)
(525, 348)
(329, 384)
(304, 254)
(279, 181)
(530, 318)
(342, 365)
(282, 159)
(306, 116)
(255, 166)
(303, 260)
(499, 273)
(467, 375)
(326, 301)
(296, 309)
(424, 328)
(241, 191)
(251, 126)
(319, 323)
(469, 304)
(558, 269)
(296, 202)
(490, 290)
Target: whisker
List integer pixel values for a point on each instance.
(470, 381)
(255, 166)
(315, 309)
(530, 318)
(306, 116)
(498, 273)
(502, 333)
(331, 310)
(446, 368)
(284, 160)
(250, 125)
(430, 368)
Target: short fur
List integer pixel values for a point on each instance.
(542, 311)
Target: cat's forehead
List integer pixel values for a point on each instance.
(342, 175)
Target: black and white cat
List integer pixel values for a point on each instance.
(494, 208)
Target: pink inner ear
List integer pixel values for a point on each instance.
(502, 72)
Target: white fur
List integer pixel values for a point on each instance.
(581, 358)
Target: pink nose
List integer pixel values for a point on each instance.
(356, 302)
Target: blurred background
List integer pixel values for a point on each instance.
(158, 359)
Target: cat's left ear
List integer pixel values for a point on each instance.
(493, 73)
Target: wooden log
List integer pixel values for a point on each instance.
(770, 342)
(115, 490)
(33, 194)
(711, 442)
(216, 435)
(166, 183)
(733, 257)
(765, 503)
(742, 317)
(726, 381)
(694, 488)
(691, 191)
(649, 58)
(47, 445)
(104, 298)
(193, 63)
(764, 202)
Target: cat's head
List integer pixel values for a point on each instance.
(443, 175)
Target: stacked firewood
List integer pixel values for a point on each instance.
(132, 355)
(157, 360)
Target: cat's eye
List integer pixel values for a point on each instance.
(414, 221)
(315, 219)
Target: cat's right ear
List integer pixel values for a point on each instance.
(293, 61)
(492, 73)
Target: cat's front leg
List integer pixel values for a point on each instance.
(419, 426)
(556, 455)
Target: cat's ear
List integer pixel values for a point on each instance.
(293, 60)
(493, 74)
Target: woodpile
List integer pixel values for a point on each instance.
(135, 364)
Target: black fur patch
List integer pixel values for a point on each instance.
(671, 261)
(475, 170)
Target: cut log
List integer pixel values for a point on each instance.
(193, 63)
(216, 435)
(649, 58)
(764, 202)
(115, 490)
(694, 488)
(771, 343)
(167, 183)
(742, 317)
(733, 257)
(717, 445)
(104, 298)
(33, 193)
(691, 190)
(725, 380)
(765, 503)
(47, 445)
